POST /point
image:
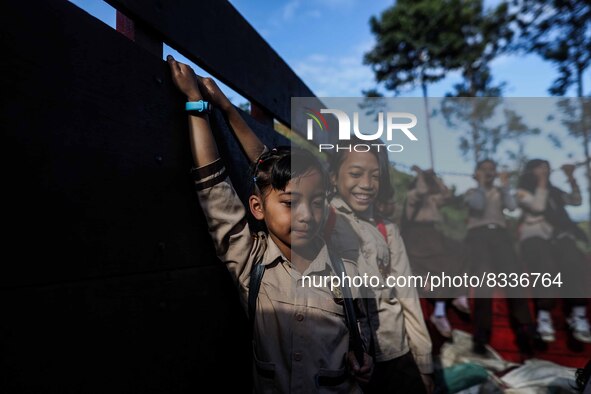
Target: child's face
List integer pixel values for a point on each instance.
(542, 171)
(488, 172)
(293, 216)
(358, 180)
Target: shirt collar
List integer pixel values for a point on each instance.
(340, 205)
(319, 264)
(272, 253)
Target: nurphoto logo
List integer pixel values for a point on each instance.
(391, 122)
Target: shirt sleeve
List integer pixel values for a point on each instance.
(420, 191)
(444, 193)
(508, 198)
(413, 196)
(535, 202)
(574, 197)
(416, 329)
(226, 219)
(475, 199)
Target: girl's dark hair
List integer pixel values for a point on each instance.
(554, 212)
(430, 180)
(386, 190)
(528, 180)
(276, 167)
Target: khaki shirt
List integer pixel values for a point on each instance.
(431, 202)
(300, 336)
(487, 205)
(536, 225)
(395, 314)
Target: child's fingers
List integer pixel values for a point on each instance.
(174, 65)
(367, 363)
(178, 67)
(354, 365)
(200, 83)
(205, 84)
(185, 69)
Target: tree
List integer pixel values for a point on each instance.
(488, 34)
(518, 131)
(417, 42)
(474, 102)
(560, 32)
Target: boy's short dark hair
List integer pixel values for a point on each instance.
(482, 162)
(276, 167)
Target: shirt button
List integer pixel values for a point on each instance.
(299, 317)
(297, 356)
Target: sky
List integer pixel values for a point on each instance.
(323, 41)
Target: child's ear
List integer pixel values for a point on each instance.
(255, 204)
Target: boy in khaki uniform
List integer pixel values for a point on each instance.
(491, 250)
(300, 338)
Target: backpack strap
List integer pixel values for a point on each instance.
(331, 221)
(355, 340)
(254, 285)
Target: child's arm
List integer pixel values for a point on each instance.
(252, 146)
(416, 329)
(475, 199)
(225, 214)
(203, 145)
(534, 203)
(420, 190)
(574, 197)
(507, 197)
(444, 194)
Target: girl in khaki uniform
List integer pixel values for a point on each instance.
(427, 248)
(300, 339)
(401, 341)
(548, 244)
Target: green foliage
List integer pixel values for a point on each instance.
(560, 32)
(490, 34)
(585, 246)
(418, 41)
(455, 217)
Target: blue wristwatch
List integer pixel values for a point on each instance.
(198, 106)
